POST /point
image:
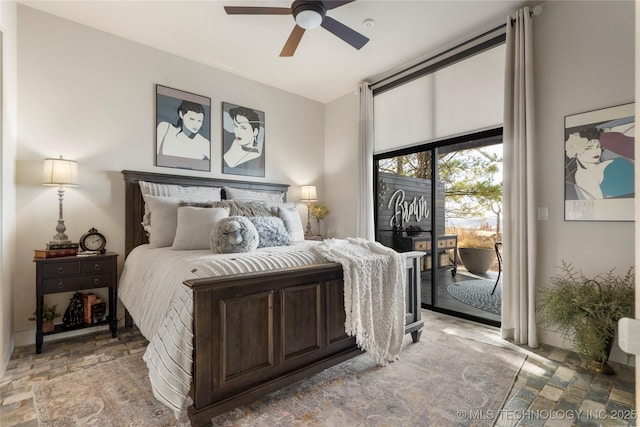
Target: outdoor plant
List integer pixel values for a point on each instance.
(48, 313)
(586, 311)
(470, 238)
(318, 212)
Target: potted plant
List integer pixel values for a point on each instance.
(586, 311)
(477, 250)
(318, 212)
(49, 313)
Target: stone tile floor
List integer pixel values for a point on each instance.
(550, 390)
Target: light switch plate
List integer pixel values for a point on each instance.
(543, 214)
(629, 335)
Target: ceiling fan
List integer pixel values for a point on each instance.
(308, 14)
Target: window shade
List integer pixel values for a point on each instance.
(465, 96)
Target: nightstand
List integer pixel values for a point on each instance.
(318, 237)
(76, 273)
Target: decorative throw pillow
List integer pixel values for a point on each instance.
(195, 225)
(250, 196)
(200, 194)
(248, 209)
(274, 206)
(292, 223)
(234, 234)
(271, 231)
(164, 214)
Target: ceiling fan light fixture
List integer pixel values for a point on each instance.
(308, 14)
(309, 19)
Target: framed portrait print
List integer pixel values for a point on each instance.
(183, 129)
(243, 142)
(599, 165)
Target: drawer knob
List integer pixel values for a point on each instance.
(97, 266)
(60, 270)
(60, 285)
(96, 281)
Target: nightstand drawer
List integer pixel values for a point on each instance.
(58, 269)
(451, 243)
(421, 245)
(66, 284)
(94, 266)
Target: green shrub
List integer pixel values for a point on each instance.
(586, 310)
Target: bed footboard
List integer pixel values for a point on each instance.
(256, 333)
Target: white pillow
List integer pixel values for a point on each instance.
(164, 214)
(292, 223)
(250, 196)
(194, 226)
(188, 194)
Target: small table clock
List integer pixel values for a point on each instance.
(93, 241)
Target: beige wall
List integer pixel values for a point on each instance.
(90, 96)
(584, 60)
(8, 142)
(341, 165)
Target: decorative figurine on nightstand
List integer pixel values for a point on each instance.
(74, 314)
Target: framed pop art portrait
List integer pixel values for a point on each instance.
(599, 165)
(183, 129)
(243, 141)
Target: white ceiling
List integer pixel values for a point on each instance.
(323, 67)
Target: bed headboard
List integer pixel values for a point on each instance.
(134, 204)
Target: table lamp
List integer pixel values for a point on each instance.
(308, 195)
(63, 173)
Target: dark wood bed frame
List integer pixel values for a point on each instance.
(255, 333)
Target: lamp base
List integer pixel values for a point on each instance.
(60, 239)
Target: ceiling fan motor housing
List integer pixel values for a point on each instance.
(299, 6)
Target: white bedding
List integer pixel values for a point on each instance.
(151, 289)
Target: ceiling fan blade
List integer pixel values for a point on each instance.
(350, 36)
(292, 42)
(332, 4)
(249, 10)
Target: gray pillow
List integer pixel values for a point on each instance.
(271, 231)
(247, 209)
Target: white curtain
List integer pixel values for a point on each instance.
(519, 242)
(365, 135)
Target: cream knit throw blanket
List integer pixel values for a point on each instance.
(374, 294)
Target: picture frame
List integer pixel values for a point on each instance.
(183, 129)
(599, 164)
(243, 140)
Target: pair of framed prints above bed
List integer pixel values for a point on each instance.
(184, 134)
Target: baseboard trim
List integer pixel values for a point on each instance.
(24, 338)
(6, 357)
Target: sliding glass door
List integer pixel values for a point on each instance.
(442, 199)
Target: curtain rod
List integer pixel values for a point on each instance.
(434, 57)
(537, 10)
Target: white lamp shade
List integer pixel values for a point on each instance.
(60, 172)
(308, 19)
(308, 193)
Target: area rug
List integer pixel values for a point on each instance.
(114, 393)
(441, 380)
(477, 293)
